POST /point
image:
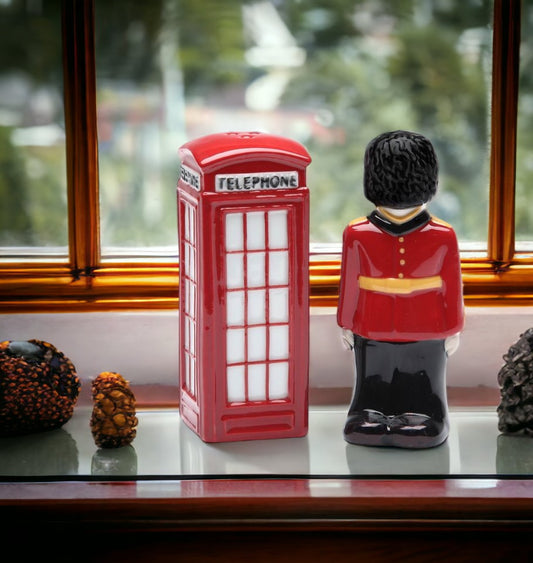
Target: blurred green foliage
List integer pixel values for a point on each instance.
(15, 221)
(422, 66)
(33, 209)
(524, 153)
(370, 66)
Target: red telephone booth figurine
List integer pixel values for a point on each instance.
(243, 211)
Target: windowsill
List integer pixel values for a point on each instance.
(171, 493)
(170, 480)
(164, 448)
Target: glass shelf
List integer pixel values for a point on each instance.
(165, 448)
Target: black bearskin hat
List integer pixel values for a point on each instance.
(401, 170)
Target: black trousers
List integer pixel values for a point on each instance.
(400, 377)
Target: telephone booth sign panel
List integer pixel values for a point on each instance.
(243, 209)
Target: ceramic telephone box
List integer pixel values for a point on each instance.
(243, 209)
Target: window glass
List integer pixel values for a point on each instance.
(330, 74)
(377, 66)
(524, 153)
(33, 206)
(140, 122)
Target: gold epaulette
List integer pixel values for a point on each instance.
(440, 222)
(358, 220)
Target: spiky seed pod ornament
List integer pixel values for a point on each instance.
(38, 387)
(113, 420)
(515, 411)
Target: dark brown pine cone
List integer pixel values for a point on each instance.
(38, 387)
(113, 420)
(515, 411)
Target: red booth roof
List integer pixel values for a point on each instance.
(222, 149)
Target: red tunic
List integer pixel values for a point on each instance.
(400, 287)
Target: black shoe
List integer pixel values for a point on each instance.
(413, 430)
(366, 428)
(408, 430)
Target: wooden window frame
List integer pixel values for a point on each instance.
(86, 283)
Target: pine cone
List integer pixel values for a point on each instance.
(113, 420)
(38, 387)
(515, 411)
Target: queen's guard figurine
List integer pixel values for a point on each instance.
(400, 302)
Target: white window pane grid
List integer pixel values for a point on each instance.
(278, 382)
(235, 270)
(277, 229)
(257, 377)
(189, 287)
(234, 232)
(236, 386)
(278, 342)
(278, 305)
(255, 269)
(257, 306)
(278, 267)
(235, 302)
(235, 345)
(255, 231)
(256, 344)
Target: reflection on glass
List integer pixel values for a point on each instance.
(386, 461)
(331, 75)
(288, 456)
(114, 462)
(524, 152)
(164, 446)
(33, 208)
(514, 455)
(39, 454)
